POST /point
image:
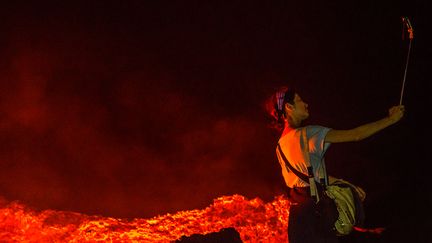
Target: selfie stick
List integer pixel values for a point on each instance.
(407, 24)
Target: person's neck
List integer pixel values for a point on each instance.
(289, 127)
(293, 123)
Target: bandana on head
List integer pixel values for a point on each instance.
(280, 97)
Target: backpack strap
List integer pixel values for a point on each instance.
(312, 183)
(302, 176)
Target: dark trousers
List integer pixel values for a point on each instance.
(304, 224)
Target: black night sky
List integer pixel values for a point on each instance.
(141, 108)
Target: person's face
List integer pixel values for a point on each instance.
(299, 109)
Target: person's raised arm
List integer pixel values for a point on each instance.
(366, 130)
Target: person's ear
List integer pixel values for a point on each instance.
(289, 107)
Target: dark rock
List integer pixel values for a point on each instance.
(226, 235)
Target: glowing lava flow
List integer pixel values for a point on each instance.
(255, 220)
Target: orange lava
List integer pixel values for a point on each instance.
(255, 220)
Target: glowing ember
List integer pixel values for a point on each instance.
(253, 219)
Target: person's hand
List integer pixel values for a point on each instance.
(396, 113)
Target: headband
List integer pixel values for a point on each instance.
(280, 97)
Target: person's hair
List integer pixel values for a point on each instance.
(275, 104)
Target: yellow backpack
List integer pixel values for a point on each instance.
(341, 192)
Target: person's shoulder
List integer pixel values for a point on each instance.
(315, 129)
(290, 134)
